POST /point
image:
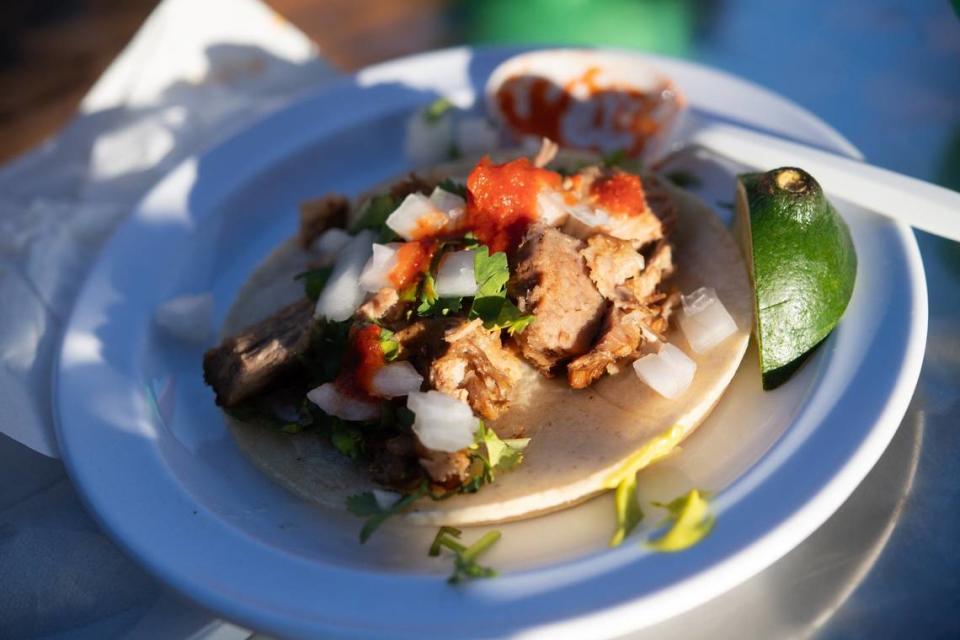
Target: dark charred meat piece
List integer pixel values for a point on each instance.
(476, 369)
(320, 214)
(412, 184)
(423, 341)
(550, 281)
(249, 363)
(393, 461)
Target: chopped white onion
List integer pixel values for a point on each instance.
(449, 203)
(328, 245)
(669, 372)
(188, 318)
(342, 294)
(337, 404)
(441, 422)
(376, 273)
(428, 142)
(414, 215)
(704, 320)
(386, 499)
(396, 379)
(476, 134)
(455, 275)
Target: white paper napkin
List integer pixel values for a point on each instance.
(195, 72)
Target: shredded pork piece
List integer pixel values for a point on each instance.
(639, 289)
(476, 369)
(382, 306)
(320, 214)
(550, 281)
(611, 262)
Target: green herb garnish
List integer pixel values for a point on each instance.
(465, 566)
(433, 305)
(436, 109)
(491, 304)
(347, 439)
(489, 454)
(366, 506)
(375, 213)
(692, 521)
(628, 509)
(314, 281)
(389, 344)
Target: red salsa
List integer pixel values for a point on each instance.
(619, 193)
(362, 360)
(536, 106)
(413, 259)
(502, 200)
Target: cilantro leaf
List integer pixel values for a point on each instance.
(347, 439)
(433, 305)
(691, 522)
(489, 454)
(314, 281)
(389, 344)
(491, 272)
(510, 318)
(465, 565)
(628, 509)
(436, 109)
(453, 187)
(365, 505)
(375, 213)
(328, 343)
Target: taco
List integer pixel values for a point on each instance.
(471, 335)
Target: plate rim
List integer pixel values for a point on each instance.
(774, 543)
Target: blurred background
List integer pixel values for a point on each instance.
(901, 56)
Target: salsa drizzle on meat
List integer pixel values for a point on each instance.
(423, 314)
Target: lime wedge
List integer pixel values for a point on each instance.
(802, 264)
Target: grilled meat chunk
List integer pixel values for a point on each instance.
(550, 281)
(624, 333)
(383, 306)
(611, 262)
(247, 364)
(639, 316)
(476, 369)
(320, 214)
(638, 289)
(463, 360)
